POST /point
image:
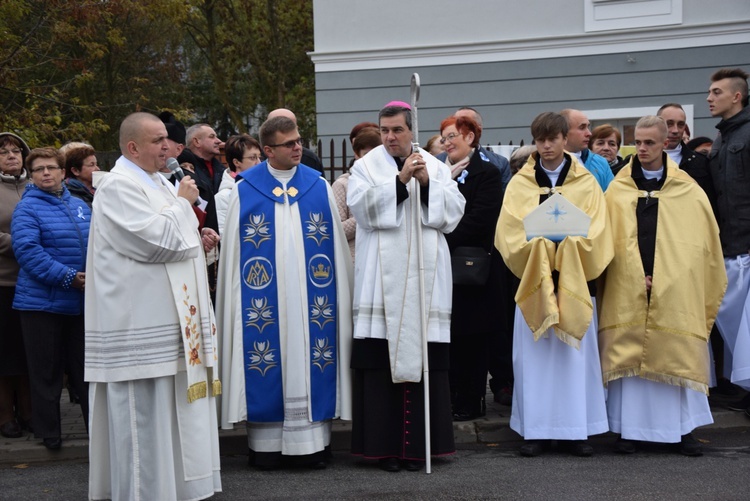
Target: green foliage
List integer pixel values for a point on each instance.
(73, 70)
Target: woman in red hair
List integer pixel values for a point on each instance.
(475, 314)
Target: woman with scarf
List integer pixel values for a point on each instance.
(50, 231)
(80, 165)
(606, 141)
(475, 318)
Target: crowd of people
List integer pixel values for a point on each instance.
(177, 295)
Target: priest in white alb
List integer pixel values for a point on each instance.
(284, 307)
(151, 357)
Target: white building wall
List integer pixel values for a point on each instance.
(352, 35)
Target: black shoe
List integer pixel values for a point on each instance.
(624, 446)
(464, 416)
(11, 429)
(580, 448)
(740, 405)
(470, 411)
(747, 412)
(391, 465)
(318, 465)
(266, 467)
(411, 465)
(725, 387)
(52, 443)
(689, 446)
(531, 448)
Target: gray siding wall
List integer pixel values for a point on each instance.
(510, 94)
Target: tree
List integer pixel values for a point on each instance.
(256, 51)
(74, 70)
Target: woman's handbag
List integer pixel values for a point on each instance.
(471, 265)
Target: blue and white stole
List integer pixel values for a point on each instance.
(259, 195)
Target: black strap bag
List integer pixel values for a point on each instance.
(471, 265)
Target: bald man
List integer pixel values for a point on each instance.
(309, 157)
(579, 133)
(150, 334)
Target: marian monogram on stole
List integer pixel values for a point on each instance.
(258, 273)
(259, 199)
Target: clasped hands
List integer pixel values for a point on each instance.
(414, 166)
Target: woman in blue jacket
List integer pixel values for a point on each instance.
(50, 231)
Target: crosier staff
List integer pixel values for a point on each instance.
(417, 214)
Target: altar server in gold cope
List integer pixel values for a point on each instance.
(660, 296)
(558, 392)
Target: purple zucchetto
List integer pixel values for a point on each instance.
(400, 104)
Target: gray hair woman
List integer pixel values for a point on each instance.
(14, 381)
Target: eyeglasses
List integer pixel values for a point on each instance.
(14, 151)
(42, 168)
(255, 158)
(450, 137)
(288, 144)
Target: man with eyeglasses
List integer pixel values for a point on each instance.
(389, 416)
(284, 307)
(309, 157)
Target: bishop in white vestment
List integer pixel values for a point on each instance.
(387, 356)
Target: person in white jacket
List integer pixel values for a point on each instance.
(242, 152)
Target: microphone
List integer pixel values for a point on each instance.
(174, 167)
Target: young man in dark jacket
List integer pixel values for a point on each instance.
(730, 173)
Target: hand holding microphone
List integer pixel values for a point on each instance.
(187, 188)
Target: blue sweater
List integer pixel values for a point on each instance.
(599, 167)
(50, 237)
